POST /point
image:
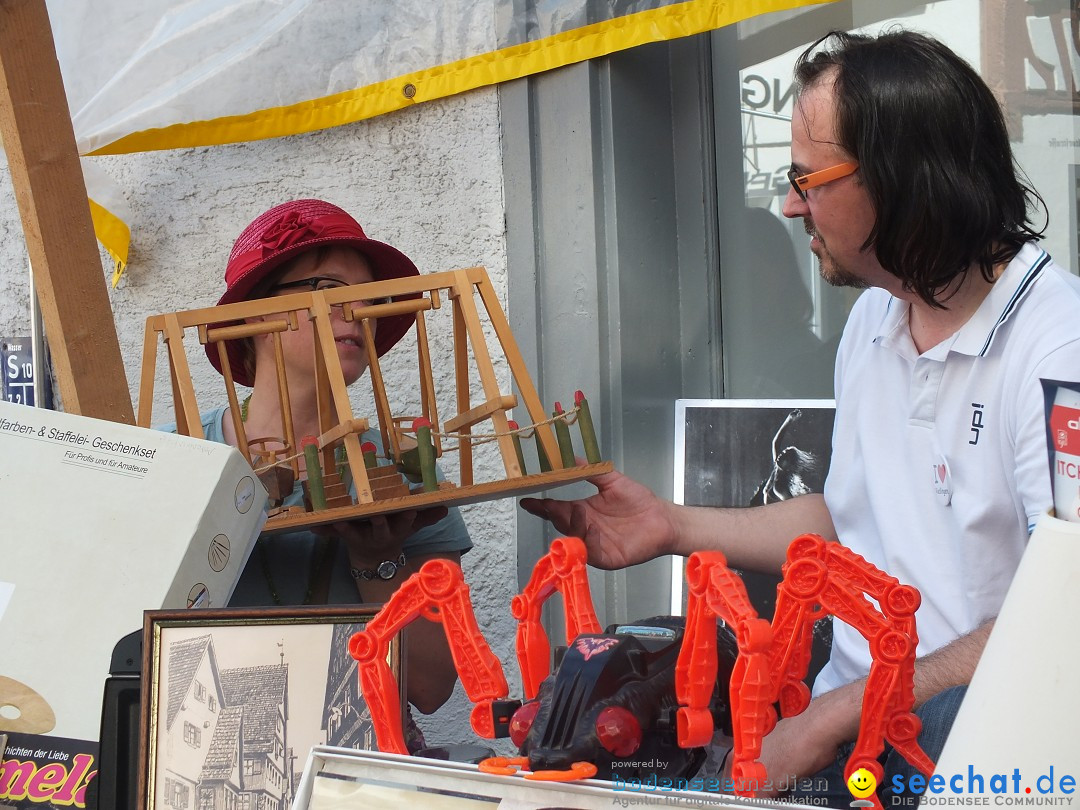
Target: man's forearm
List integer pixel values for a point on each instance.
(754, 538)
(952, 665)
(837, 713)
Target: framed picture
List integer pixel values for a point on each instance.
(234, 699)
(749, 452)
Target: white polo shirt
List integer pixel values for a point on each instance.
(940, 466)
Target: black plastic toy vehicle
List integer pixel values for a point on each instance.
(611, 702)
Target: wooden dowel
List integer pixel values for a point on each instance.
(372, 311)
(562, 435)
(242, 330)
(314, 474)
(479, 413)
(585, 425)
(426, 451)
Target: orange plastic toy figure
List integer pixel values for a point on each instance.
(819, 578)
(671, 670)
(437, 592)
(564, 568)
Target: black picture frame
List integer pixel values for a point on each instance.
(233, 700)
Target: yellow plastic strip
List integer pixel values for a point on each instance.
(588, 42)
(114, 235)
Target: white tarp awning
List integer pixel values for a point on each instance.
(165, 74)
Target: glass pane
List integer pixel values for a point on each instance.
(780, 322)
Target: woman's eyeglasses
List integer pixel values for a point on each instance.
(321, 283)
(805, 182)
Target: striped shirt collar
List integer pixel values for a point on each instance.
(977, 335)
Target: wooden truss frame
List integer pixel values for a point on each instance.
(338, 425)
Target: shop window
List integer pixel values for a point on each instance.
(780, 322)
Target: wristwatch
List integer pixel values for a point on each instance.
(384, 570)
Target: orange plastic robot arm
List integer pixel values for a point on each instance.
(564, 568)
(820, 577)
(370, 647)
(437, 592)
(717, 592)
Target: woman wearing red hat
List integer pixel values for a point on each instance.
(312, 245)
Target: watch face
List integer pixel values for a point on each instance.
(386, 569)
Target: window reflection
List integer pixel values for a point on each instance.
(780, 323)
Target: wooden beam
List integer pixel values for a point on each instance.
(40, 143)
(480, 413)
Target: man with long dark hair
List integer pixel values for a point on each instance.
(904, 177)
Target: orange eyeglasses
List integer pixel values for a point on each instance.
(805, 182)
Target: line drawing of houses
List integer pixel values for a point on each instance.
(263, 694)
(194, 701)
(238, 715)
(225, 740)
(221, 780)
(346, 717)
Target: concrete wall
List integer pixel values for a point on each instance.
(428, 180)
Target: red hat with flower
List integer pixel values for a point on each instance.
(292, 228)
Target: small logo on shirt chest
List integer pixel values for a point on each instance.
(942, 481)
(976, 422)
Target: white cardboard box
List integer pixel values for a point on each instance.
(100, 521)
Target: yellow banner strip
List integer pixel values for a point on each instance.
(114, 235)
(588, 42)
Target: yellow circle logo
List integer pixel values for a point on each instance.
(862, 783)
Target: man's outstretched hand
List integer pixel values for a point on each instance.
(623, 524)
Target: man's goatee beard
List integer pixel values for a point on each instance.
(831, 272)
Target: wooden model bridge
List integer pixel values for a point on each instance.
(410, 442)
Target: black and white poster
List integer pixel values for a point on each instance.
(741, 452)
